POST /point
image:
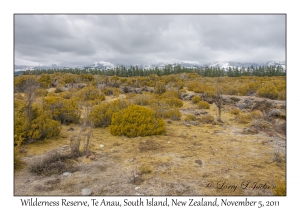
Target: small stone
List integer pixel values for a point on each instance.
(137, 188)
(101, 145)
(169, 142)
(86, 191)
(67, 174)
(199, 162)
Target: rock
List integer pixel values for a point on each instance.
(101, 145)
(203, 112)
(137, 188)
(182, 135)
(188, 125)
(250, 130)
(199, 162)
(86, 191)
(67, 174)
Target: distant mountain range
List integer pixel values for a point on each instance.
(107, 65)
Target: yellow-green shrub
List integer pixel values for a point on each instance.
(268, 90)
(101, 114)
(143, 99)
(243, 118)
(256, 114)
(170, 94)
(280, 189)
(160, 109)
(63, 110)
(235, 111)
(136, 121)
(208, 119)
(160, 88)
(190, 117)
(196, 99)
(174, 102)
(33, 124)
(90, 94)
(173, 113)
(41, 92)
(203, 105)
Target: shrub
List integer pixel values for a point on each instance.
(101, 115)
(142, 99)
(190, 117)
(280, 189)
(40, 92)
(160, 109)
(243, 118)
(145, 169)
(32, 124)
(235, 111)
(108, 91)
(63, 110)
(203, 105)
(256, 114)
(268, 91)
(43, 127)
(174, 113)
(170, 94)
(160, 88)
(208, 119)
(174, 102)
(90, 94)
(136, 121)
(196, 99)
(52, 162)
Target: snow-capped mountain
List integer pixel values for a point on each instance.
(160, 65)
(100, 65)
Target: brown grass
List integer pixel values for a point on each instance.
(167, 164)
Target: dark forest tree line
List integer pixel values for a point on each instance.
(122, 71)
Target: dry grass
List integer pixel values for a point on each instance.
(184, 161)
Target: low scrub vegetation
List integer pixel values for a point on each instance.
(136, 121)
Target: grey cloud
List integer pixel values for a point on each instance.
(130, 39)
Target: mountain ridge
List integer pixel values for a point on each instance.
(187, 64)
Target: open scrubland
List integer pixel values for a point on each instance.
(181, 134)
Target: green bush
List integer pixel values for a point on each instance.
(203, 105)
(136, 121)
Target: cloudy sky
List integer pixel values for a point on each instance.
(142, 39)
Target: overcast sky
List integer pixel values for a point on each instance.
(142, 39)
